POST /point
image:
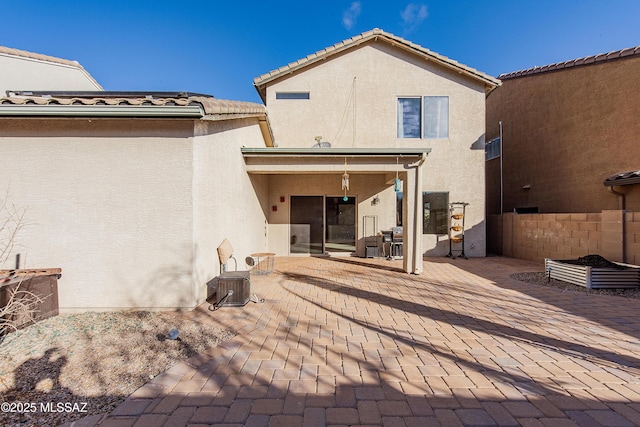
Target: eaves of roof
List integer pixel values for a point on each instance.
(588, 60)
(623, 178)
(376, 34)
(134, 105)
(101, 104)
(334, 152)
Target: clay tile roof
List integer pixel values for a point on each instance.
(588, 60)
(210, 105)
(623, 178)
(372, 35)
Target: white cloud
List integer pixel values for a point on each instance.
(350, 15)
(413, 15)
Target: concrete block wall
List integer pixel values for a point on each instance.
(613, 234)
(632, 231)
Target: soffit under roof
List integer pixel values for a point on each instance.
(331, 160)
(376, 34)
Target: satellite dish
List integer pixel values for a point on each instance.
(322, 144)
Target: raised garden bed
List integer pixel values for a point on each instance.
(594, 272)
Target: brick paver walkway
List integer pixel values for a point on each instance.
(349, 341)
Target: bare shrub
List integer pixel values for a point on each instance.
(19, 305)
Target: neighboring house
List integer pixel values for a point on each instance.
(566, 128)
(384, 106)
(131, 193)
(21, 70)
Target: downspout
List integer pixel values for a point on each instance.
(417, 226)
(622, 203)
(501, 182)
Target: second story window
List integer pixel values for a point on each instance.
(409, 117)
(436, 117)
(423, 117)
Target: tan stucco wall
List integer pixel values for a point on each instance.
(564, 133)
(20, 73)
(227, 201)
(382, 74)
(131, 210)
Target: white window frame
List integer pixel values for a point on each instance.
(442, 117)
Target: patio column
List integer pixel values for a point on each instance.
(412, 219)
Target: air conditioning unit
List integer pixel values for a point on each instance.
(230, 289)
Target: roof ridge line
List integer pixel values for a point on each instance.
(586, 60)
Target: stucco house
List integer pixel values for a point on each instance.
(562, 160)
(379, 107)
(131, 193)
(566, 127)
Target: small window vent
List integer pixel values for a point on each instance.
(292, 95)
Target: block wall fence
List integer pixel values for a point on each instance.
(613, 234)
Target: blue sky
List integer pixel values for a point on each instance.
(218, 47)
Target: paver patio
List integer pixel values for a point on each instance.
(350, 341)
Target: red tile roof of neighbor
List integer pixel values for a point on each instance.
(588, 60)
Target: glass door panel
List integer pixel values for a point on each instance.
(341, 224)
(306, 225)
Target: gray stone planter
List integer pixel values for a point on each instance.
(626, 276)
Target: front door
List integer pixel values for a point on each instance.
(307, 223)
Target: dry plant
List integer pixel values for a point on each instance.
(18, 305)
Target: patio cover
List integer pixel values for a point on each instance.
(407, 161)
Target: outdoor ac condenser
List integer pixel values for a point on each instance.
(235, 286)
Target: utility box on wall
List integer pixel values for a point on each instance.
(41, 284)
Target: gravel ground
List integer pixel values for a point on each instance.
(540, 278)
(90, 362)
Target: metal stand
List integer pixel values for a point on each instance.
(456, 228)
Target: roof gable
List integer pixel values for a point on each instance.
(37, 56)
(265, 80)
(46, 59)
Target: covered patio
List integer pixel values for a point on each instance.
(350, 341)
(370, 176)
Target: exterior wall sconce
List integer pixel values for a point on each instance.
(526, 187)
(376, 200)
